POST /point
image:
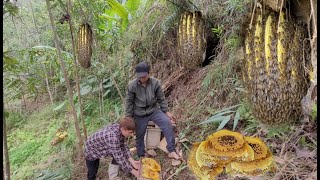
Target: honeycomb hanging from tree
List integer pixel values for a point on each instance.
(84, 45)
(191, 39)
(273, 72)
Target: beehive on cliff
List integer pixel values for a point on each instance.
(274, 74)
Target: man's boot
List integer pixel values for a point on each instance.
(113, 172)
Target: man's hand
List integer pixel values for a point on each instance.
(135, 173)
(172, 117)
(134, 163)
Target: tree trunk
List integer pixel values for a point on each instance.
(100, 94)
(77, 72)
(5, 150)
(55, 90)
(102, 101)
(48, 86)
(48, 89)
(33, 19)
(101, 89)
(56, 39)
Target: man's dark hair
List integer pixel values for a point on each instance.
(127, 123)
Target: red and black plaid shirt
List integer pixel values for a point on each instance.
(109, 142)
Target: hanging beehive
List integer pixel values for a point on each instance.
(84, 45)
(191, 39)
(273, 74)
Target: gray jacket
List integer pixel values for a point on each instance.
(142, 101)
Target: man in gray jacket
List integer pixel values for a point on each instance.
(145, 101)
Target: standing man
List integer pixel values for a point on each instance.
(110, 141)
(145, 101)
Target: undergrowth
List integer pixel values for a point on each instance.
(29, 139)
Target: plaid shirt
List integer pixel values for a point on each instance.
(109, 142)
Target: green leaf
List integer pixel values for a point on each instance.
(240, 89)
(8, 7)
(224, 122)
(236, 120)
(218, 116)
(85, 90)
(107, 17)
(221, 113)
(96, 89)
(107, 85)
(62, 80)
(213, 120)
(106, 93)
(91, 80)
(121, 11)
(132, 6)
(60, 106)
(118, 9)
(105, 80)
(124, 24)
(6, 114)
(231, 107)
(117, 111)
(75, 98)
(54, 5)
(10, 60)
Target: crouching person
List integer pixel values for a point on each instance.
(110, 141)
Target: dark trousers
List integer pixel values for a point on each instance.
(93, 167)
(161, 120)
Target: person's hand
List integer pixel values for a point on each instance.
(136, 165)
(172, 117)
(135, 173)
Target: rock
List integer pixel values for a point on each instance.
(175, 162)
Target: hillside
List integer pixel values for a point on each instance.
(212, 57)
